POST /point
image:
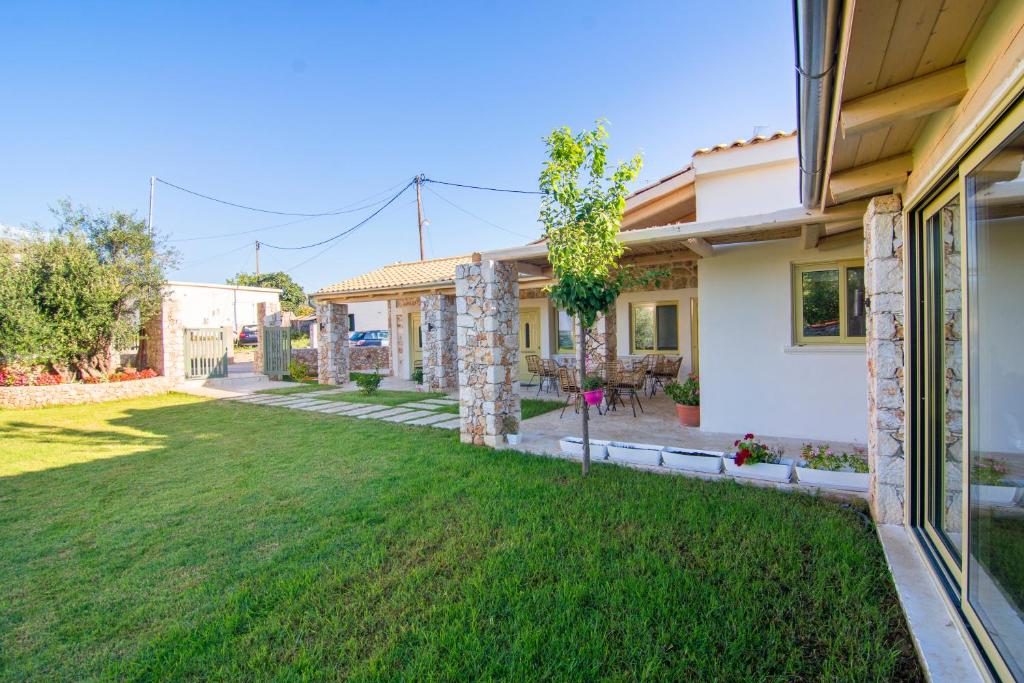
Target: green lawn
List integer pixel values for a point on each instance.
(173, 537)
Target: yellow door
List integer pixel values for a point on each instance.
(415, 342)
(694, 336)
(529, 338)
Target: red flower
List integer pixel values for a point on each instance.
(748, 437)
(742, 456)
(736, 442)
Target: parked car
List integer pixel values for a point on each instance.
(247, 337)
(369, 338)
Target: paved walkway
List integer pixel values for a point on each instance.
(421, 413)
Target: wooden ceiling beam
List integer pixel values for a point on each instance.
(699, 245)
(911, 99)
(870, 179)
(809, 236)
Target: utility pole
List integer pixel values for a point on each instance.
(419, 211)
(257, 263)
(152, 191)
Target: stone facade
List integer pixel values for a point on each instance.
(883, 277)
(437, 320)
(487, 303)
(309, 357)
(164, 342)
(682, 274)
(332, 338)
(74, 394)
(369, 359)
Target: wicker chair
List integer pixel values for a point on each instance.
(612, 372)
(666, 372)
(633, 384)
(533, 367)
(569, 382)
(649, 363)
(548, 374)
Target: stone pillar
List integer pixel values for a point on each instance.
(487, 302)
(263, 309)
(883, 282)
(165, 341)
(602, 342)
(437, 319)
(332, 358)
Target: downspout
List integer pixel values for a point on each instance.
(816, 30)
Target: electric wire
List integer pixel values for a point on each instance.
(481, 187)
(470, 213)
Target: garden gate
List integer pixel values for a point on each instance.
(206, 353)
(277, 350)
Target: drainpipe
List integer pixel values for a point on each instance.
(816, 31)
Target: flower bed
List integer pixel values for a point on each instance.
(28, 377)
(75, 393)
(129, 375)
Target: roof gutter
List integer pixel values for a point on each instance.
(816, 37)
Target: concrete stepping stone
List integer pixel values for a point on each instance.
(410, 415)
(367, 408)
(249, 397)
(450, 424)
(337, 408)
(441, 401)
(422, 405)
(282, 401)
(302, 405)
(392, 412)
(431, 419)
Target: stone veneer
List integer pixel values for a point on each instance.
(487, 302)
(164, 342)
(73, 394)
(883, 278)
(332, 339)
(437, 320)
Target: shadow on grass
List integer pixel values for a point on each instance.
(244, 541)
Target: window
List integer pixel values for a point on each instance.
(566, 332)
(654, 327)
(828, 302)
(351, 321)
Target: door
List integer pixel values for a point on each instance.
(206, 353)
(415, 342)
(529, 339)
(277, 350)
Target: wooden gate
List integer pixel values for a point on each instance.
(277, 350)
(206, 353)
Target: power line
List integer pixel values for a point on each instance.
(470, 213)
(253, 208)
(215, 256)
(346, 231)
(481, 187)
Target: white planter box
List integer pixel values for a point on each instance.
(692, 460)
(573, 445)
(513, 439)
(763, 470)
(846, 481)
(634, 453)
(996, 496)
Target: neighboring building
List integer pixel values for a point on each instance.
(202, 304)
(368, 315)
(859, 282)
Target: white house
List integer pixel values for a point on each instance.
(204, 304)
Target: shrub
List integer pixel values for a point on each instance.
(685, 394)
(592, 383)
(824, 458)
(417, 375)
(368, 383)
(298, 370)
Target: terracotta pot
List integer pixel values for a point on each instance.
(594, 396)
(689, 416)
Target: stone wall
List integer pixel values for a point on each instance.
(437, 320)
(163, 345)
(73, 394)
(332, 338)
(369, 358)
(883, 276)
(310, 357)
(682, 274)
(487, 302)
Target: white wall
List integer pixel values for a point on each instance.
(745, 181)
(681, 296)
(400, 323)
(752, 377)
(210, 305)
(369, 315)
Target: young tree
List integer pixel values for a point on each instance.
(292, 295)
(581, 210)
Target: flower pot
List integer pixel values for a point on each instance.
(593, 397)
(634, 453)
(845, 481)
(995, 496)
(573, 445)
(763, 470)
(689, 416)
(513, 439)
(691, 460)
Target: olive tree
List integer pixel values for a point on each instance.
(581, 210)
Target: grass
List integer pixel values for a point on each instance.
(532, 407)
(171, 537)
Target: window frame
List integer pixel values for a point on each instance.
(842, 265)
(557, 342)
(632, 328)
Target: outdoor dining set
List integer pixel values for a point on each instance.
(619, 379)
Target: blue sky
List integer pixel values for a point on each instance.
(309, 107)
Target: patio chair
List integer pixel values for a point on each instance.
(569, 382)
(632, 383)
(666, 372)
(548, 374)
(648, 363)
(612, 372)
(533, 367)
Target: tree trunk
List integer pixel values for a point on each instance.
(582, 348)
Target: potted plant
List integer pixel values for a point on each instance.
(692, 460)
(687, 399)
(593, 390)
(989, 484)
(822, 466)
(755, 460)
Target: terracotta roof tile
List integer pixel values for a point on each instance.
(401, 276)
(745, 143)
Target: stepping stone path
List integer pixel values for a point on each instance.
(420, 413)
